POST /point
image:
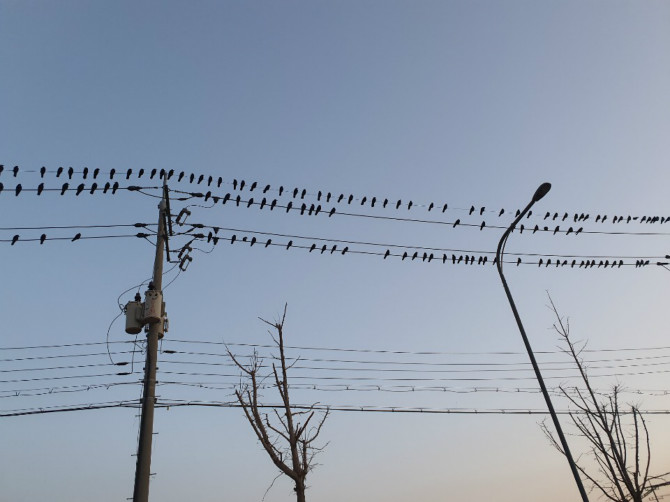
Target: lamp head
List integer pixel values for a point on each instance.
(541, 191)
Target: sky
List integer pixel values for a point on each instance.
(470, 104)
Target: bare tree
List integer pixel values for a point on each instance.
(287, 433)
(617, 436)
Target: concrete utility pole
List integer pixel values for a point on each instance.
(143, 467)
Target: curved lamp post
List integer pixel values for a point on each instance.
(539, 193)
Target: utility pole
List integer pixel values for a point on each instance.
(143, 467)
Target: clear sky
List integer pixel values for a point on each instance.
(473, 104)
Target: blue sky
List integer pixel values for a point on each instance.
(468, 103)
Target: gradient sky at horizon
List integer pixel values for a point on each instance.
(470, 103)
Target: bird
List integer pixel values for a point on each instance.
(312, 248)
(233, 239)
(250, 202)
(564, 216)
(115, 187)
(318, 210)
(303, 193)
(430, 257)
(43, 170)
(332, 250)
(323, 248)
(539, 263)
(331, 212)
(386, 201)
(253, 241)
(267, 187)
(339, 199)
(351, 197)
(209, 237)
(397, 204)
(556, 229)
(200, 178)
(409, 205)
(18, 189)
(209, 180)
(104, 190)
(481, 211)
(404, 255)
(219, 182)
(346, 248)
(425, 255)
(268, 242)
(191, 178)
(152, 174)
(555, 216)
(64, 188)
(481, 227)
(518, 212)
(328, 197)
(570, 230)
(59, 171)
(453, 259)
(208, 195)
(363, 200)
(536, 229)
(179, 178)
(501, 213)
(416, 253)
(597, 218)
(518, 262)
(281, 190)
(226, 198)
(263, 202)
(318, 195)
(16, 171)
(372, 202)
(290, 243)
(42, 238)
(94, 187)
(70, 172)
(302, 209)
(170, 173)
(388, 252)
(112, 172)
(80, 188)
(140, 173)
(604, 218)
(431, 206)
(128, 173)
(444, 258)
(15, 239)
(311, 209)
(295, 192)
(456, 223)
(40, 188)
(579, 230)
(444, 208)
(572, 265)
(1, 187)
(76, 237)
(472, 210)
(273, 204)
(241, 185)
(289, 206)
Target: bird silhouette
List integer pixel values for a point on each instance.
(15, 239)
(386, 201)
(364, 200)
(209, 237)
(397, 204)
(273, 204)
(409, 205)
(290, 243)
(303, 193)
(94, 187)
(16, 171)
(416, 253)
(191, 178)
(597, 218)
(42, 238)
(318, 195)
(302, 208)
(339, 199)
(2, 187)
(209, 180)
(332, 250)
(238, 199)
(208, 195)
(40, 187)
(170, 173)
(456, 223)
(76, 237)
(431, 206)
(115, 187)
(241, 185)
(570, 230)
(18, 189)
(444, 208)
(43, 170)
(295, 192)
(244, 239)
(536, 229)
(481, 211)
(233, 239)
(564, 216)
(453, 259)
(112, 172)
(346, 248)
(128, 173)
(425, 255)
(104, 190)
(518, 262)
(518, 212)
(318, 210)
(572, 265)
(70, 172)
(59, 171)
(250, 202)
(501, 213)
(200, 178)
(388, 252)
(604, 218)
(430, 257)
(351, 197)
(328, 197)
(444, 258)
(556, 229)
(253, 241)
(323, 248)
(372, 202)
(579, 230)
(226, 198)
(80, 188)
(289, 206)
(539, 263)
(268, 242)
(179, 178)
(404, 255)
(331, 212)
(472, 210)
(140, 173)
(312, 248)
(64, 188)
(263, 202)
(311, 210)
(481, 227)
(548, 262)
(281, 190)
(460, 259)
(529, 213)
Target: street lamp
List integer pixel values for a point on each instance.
(539, 193)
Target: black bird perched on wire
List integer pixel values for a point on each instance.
(104, 190)
(328, 197)
(372, 202)
(250, 202)
(226, 198)
(295, 192)
(40, 188)
(311, 210)
(273, 204)
(85, 172)
(42, 238)
(364, 200)
(332, 250)
(290, 243)
(444, 258)
(312, 248)
(64, 188)
(267, 187)
(331, 212)
(386, 201)
(481, 227)
(233, 239)
(289, 206)
(404, 255)
(302, 209)
(518, 262)
(70, 172)
(268, 242)
(416, 253)
(346, 248)
(339, 199)
(15, 239)
(112, 172)
(140, 173)
(456, 223)
(409, 205)
(323, 248)
(43, 170)
(59, 171)
(425, 255)
(152, 174)
(263, 202)
(209, 180)
(397, 204)
(501, 213)
(96, 171)
(191, 178)
(16, 171)
(318, 195)
(18, 189)
(303, 193)
(388, 252)
(128, 173)
(444, 208)
(318, 210)
(94, 187)
(200, 178)
(431, 206)
(80, 189)
(115, 187)
(472, 210)
(351, 197)
(481, 211)
(179, 178)
(238, 199)
(281, 190)
(76, 237)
